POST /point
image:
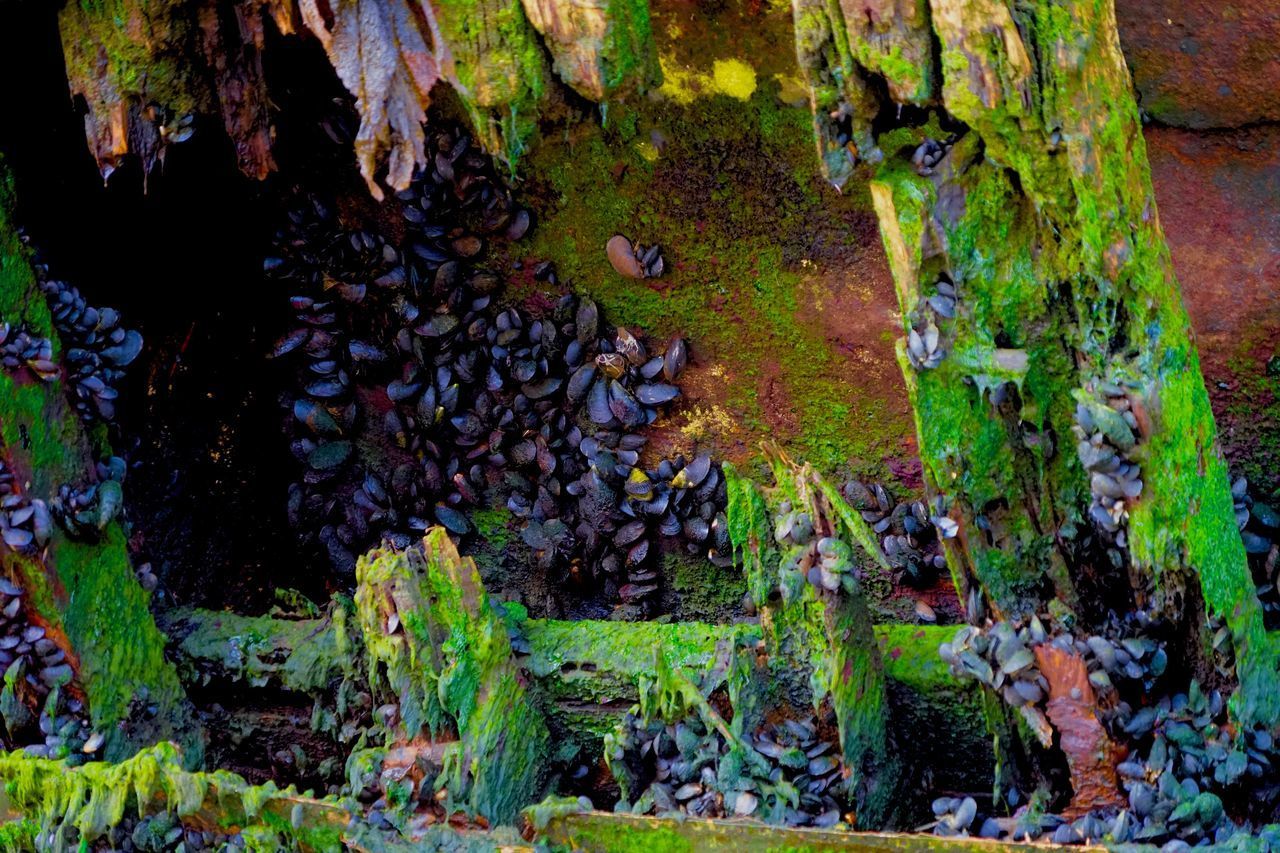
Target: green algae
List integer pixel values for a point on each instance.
(822, 646)
(88, 591)
(603, 661)
(750, 527)
(435, 642)
(707, 592)
(93, 798)
(628, 54)
(730, 192)
(121, 651)
(300, 655)
(598, 832)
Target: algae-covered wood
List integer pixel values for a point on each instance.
(1038, 229)
(83, 593)
(595, 832)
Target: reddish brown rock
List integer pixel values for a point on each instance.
(1203, 63)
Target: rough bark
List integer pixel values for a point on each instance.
(598, 47)
(436, 645)
(1037, 214)
(821, 645)
(145, 68)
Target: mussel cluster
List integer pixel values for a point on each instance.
(634, 260)
(1259, 525)
(809, 763)
(929, 154)
(1107, 432)
(910, 537)
(1183, 757)
(18, 347)
(1001, 658)
(786, 773)
(471, 403)
(86, 509)
(96, 348)
(41, 664)
(925, 347)
(825, 562)
(25, 523)
(39, 669)
(162, 832)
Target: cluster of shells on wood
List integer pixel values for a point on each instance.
(49, 718)
(786, 772)
(1179, 754)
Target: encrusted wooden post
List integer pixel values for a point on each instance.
(435, 643)
(816, 624)
(84, 594)
(1063, 422)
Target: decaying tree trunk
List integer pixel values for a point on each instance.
(1063, 423)
(820, 640)
(580, 670)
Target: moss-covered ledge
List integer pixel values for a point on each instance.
(587, 673)
(600, 832)
(65, 807)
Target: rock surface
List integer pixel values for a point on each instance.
(1203, 63)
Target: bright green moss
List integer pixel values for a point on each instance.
(121, 651)
(708, 593)
(435, 642)
(606, 659)
(629, 57)
(87, 590)
(737, 223)
(92, 798)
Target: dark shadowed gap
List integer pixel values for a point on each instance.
(200, 421)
